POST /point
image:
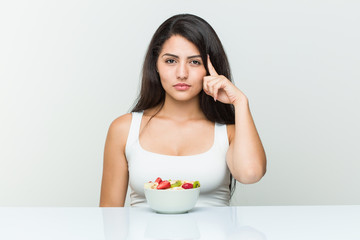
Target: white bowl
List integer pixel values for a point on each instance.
(172, 201)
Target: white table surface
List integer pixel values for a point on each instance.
(255, 223)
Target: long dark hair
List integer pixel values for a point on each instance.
(203, 36)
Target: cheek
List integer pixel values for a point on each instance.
(202, 71)
(200, 75)
(164, 77)
(163, 72)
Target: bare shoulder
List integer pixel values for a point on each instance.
(230, 131)
(119, 129)
(121, 123)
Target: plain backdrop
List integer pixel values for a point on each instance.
(69, 68)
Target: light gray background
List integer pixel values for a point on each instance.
(68, 68)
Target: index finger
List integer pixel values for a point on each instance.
(211, 68)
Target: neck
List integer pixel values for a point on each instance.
(181, 110)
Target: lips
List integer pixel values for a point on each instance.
(181, 86)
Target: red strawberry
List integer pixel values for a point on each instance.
(164, 185)
(158, 180)
(187, 185)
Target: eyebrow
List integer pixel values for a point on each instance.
(175, 56)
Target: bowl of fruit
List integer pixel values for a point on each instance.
(172, 196)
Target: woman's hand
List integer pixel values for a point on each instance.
(220, 88)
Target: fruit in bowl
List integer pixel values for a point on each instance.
(172, 196)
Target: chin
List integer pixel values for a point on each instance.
(182, 98)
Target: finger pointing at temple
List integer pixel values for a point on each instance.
(211, 68)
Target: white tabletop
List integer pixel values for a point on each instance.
(255, 223)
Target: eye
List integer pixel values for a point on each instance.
(170, 61)
(196, 62)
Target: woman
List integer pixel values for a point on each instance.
(190, 121)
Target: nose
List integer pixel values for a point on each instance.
(182, 72)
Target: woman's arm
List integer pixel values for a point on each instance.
(115, 170)
(246, 156)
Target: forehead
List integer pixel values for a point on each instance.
(180, 46)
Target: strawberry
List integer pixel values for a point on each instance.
(187, 185)
(158, 180)
(164, 185)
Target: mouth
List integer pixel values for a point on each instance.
(182, 86)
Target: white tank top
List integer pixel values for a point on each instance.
(209, 168)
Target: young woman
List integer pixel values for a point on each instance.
(190, 121)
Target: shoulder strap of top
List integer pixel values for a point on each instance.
(134, 130)
(221, 135)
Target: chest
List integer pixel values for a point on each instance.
(175, 139)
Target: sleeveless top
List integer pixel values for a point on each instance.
(209, 168)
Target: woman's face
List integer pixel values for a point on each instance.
(181, 69)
